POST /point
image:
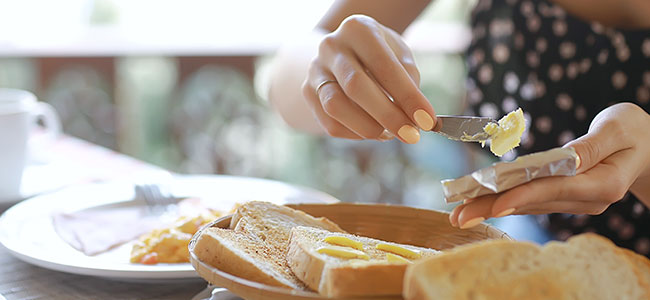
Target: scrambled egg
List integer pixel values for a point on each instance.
(169, 245)
(506, 135)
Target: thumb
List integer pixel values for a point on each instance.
(593, 147)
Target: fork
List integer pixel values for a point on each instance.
(155, 195)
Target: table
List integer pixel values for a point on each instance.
(19, 280)
(86, 162)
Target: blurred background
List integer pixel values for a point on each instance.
(181, 84)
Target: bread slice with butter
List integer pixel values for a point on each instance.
(255, 246)
(587, 266)
(338, 265)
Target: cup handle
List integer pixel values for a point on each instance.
(50, 119)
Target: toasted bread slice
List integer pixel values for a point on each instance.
(642, 267)
(257, 223)
(255, 248)
(586, 267)
(333, 276)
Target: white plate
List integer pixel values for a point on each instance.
(27, 231)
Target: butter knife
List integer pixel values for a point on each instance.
(463, 128)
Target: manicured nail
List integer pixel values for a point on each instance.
(409, 134)
(386, 136)
(578, 159)
(424, 120)
(473, 222)
(505, 212)
(451, 221)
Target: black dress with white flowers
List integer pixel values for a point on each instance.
(561, 71)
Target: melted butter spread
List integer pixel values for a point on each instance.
(408, 253)
(343, 252)
(343, 241)
(506, 134)
(390, 257)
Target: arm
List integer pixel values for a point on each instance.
(291, 63)
(616, 13)
(384, 11)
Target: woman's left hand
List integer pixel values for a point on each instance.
(614, 156)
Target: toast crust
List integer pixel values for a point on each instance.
(373, 279)
(306, 267)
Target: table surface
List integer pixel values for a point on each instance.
(20, 280)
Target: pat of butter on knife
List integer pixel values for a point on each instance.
(506, 134)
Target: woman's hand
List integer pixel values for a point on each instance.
(348, 86)
(614, 157)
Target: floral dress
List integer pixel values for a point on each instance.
(561, 71)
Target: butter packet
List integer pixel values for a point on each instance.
(503, 176)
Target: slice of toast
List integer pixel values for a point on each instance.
(255, 248)
(642, 267)
(587, 266)
(333, 276)
(253, 218)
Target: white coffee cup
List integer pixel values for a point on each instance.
(19, 113)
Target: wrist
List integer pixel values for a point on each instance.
(641, 186)
(641, 190)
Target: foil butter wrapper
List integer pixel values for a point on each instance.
(503, 176)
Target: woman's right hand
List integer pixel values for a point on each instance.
(357, 68)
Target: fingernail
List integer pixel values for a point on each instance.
(505, 212)
(386, 136)
(578, 159)
(409, 134)
(473, 222)
(423, 119)
(451, 221)
(470, 200)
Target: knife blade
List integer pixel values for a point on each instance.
(463, 128)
